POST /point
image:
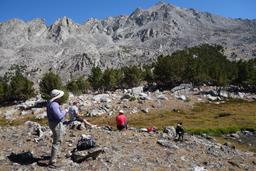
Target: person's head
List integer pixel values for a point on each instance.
(56, 95)
(179, 123)
(76, 103)
(121, 112)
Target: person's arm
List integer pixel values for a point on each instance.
(59, 114)
(88, 123)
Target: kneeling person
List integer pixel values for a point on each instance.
(121, 121)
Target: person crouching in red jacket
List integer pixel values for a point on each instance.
(121, 121)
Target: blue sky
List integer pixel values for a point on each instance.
(82, 10)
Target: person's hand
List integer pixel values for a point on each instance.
(94, 126)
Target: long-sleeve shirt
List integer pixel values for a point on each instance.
(54, 112)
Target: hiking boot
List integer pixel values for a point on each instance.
(54, 165)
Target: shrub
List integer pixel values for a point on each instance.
(49, 82)
(3, 90)
(96, 78)
(111, 79)
(133, 76)
(73, 87)
(79, 86)
(83, 84)
(20, 88)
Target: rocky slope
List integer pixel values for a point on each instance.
(129, 150)
(72, 49)
(135, 149)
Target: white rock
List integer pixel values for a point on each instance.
(146, 110)
(198, 168)
(96, 112)
(137, 90)
(181, 97)
(224, 94)
(143, 129)
(9, 114)
(100, 97)
(144, 96)
(25, 112)
(41, 115)
(241, 95)
(212, 98)
(162, 97)
(182, 87)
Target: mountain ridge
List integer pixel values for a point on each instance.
(72, 49)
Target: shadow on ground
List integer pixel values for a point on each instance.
(27, 158)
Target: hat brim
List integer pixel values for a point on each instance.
(61, 93)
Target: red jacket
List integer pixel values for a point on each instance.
(121, 119)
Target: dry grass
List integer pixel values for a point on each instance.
(205, 117)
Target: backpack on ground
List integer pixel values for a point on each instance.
(86, 143)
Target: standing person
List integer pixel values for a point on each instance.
(179, 131)
(121, 121)
(55, 120)
(74, 115)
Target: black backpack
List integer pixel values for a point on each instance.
(85, 143)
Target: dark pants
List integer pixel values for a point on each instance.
(121, 127)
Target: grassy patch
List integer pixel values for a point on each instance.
(207, 118)
(20, 121)
(220, 115)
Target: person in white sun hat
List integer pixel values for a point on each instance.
(55, 117)
(121, 121)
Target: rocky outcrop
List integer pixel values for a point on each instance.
(72, 49)
(126, 150)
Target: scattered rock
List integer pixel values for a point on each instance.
(233, 163)
(96, 112)
(212, 98)
(162, 97)
(235, 135)
(146, 110)
(167, 143)
(9, 114)
(198, 168)
(170, 131)
(181, 97)
(182, 88)
(25, 112)
(2, 156)
(224, 94)
(101, 98)
(228, 144)
(144, 96)
(136, 91)
(41, 116)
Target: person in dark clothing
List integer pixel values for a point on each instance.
(179, 131)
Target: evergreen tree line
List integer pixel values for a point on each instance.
(204, 64)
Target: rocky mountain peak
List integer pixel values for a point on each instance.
(61, 29)
(65, 22)
(122, 40)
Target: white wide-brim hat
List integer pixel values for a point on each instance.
(55, 94)
(121, 111)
